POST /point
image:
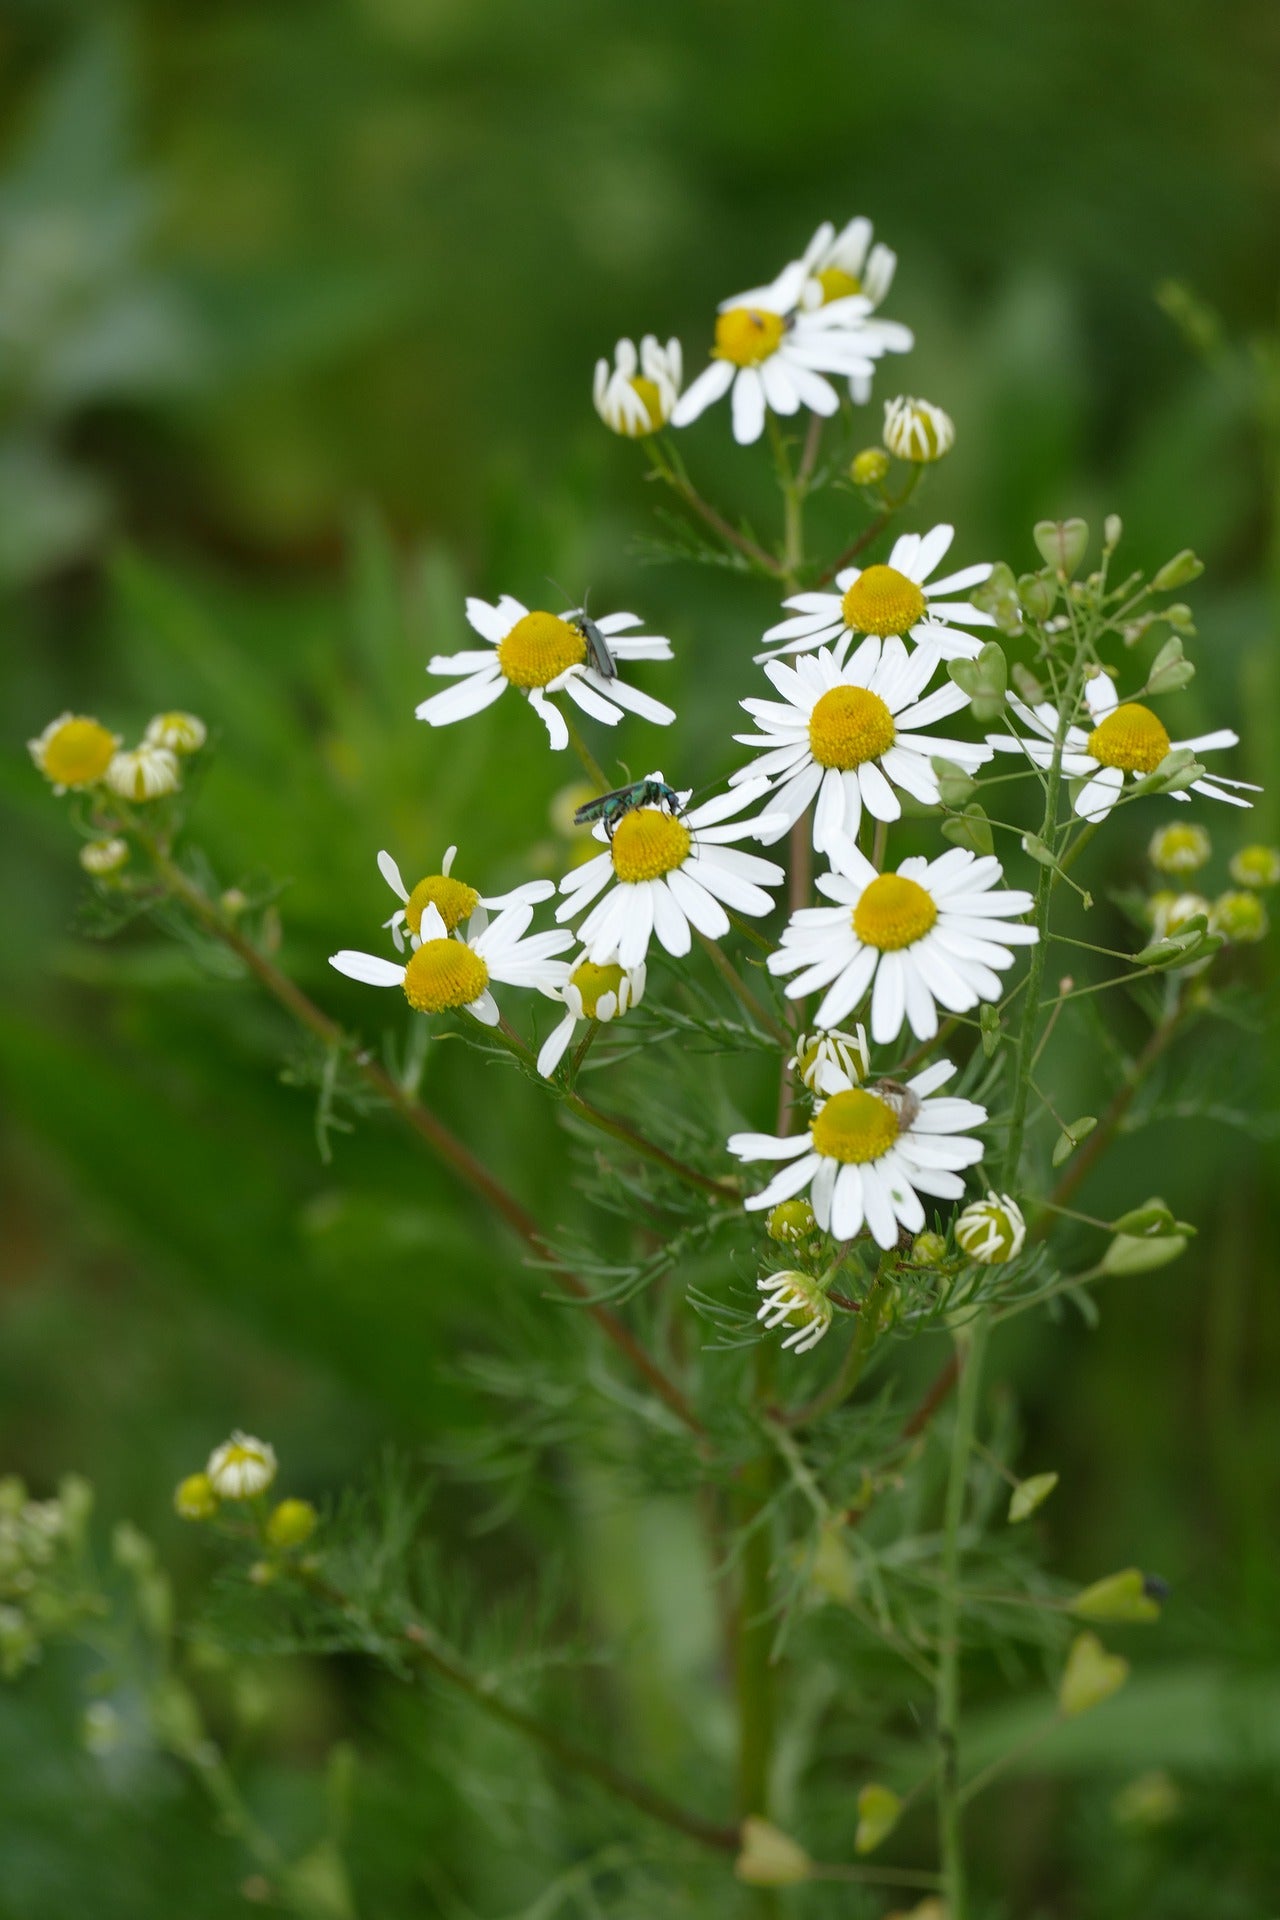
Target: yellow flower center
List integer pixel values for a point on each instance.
(452, 899)
(893, 912)
(647, 390)
(882, 600)
(648, 843)
(594, 982)
(539, 648)
(854, 1127)
(748, 335)
(443, 974)
(836, 284)
(1131, 738)
(78, 753)
(849, 725)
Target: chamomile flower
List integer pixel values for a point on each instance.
(104, 857)
(870, 1152)
(847, 263)
(845, 737)
(917, 431)
(828, 1055)
(180, 732)
(1124, 739)
(73, 751)
(774, 354)
(993, 1230)
(144, 772)
(636, 397)
(241, 1467)
(445, 971)
(930, 935)
(452, 899)
(540, 653)
(671, 872)
(793, 1299)
(898, 597)
(590, 993)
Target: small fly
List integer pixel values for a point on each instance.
(615, 806)
(902, 1100)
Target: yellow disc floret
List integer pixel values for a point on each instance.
(836, 284)
(452, 899)
(849, 725)
(893, 912)
(539, 648)
(444, 974)
(882, 600)
(648, 843)
(1130, 738)
(74, 752)
(748, 335)
(855, 1127)
(593, 983)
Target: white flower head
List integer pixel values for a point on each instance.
(993, 1230)
(144, 773)
(1182, 847)
(73, 751)
(899, 597)
(453, 899)
(847, 737)
(828, 1058)
(918, 431)
(241, 1467)
(591, 993)
(774, 353)
(636, 396)
(180, 732)
(931, 935)
(449, 971)
(869, 1153)
(1123, 739)
(793, 1299)
(103, 857)
(844, 264)
(540, 653)
(672, 871)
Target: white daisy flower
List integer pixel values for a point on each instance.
(73, 751)
(993, 1230)
(636, 397)
(918, 431)
(774, 354)
(828, 1055)
(921, 938)
(447, 971)
(896, 598)
(241, 1467)
(591, 993)
(869, 1153)
(847, 736)
(145, 772)
(452, 899)
(1124, 739)
(541, 653)
(795, 1300)
(844, 264)
(671, 872)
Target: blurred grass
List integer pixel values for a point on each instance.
(297, 309)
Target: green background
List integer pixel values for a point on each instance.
(298, 308)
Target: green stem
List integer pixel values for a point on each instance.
(969, 1355)
(590, 765)
(755, 1629)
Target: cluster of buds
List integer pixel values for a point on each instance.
(239, 1473)
(77, 754)
(1237, 915)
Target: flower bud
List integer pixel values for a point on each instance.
(194, 1497)
(1120, 1596)
(869, 467)
(1256, 867)
(1091, 1675)
(827, 1059)
(1112, 532)
(1062, 544)
(879, 1809)
(1240, 916)
(993, 1230)
(791, 1222)
(918, 431)
(101, 857)
(1180, 848)
(928, 1250)
(769, 1857)
(793, 1299)
(291, 1523)
(241, 1467)
(179, 732)
(144, 773)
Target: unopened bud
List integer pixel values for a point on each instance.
(1256, 867)
(194, 1497)
(1241, 917)
(993, 1230)
(928, 1250)
(869, 467)
(791, 1221)
(103, 857)
(1179, 848)
(291, 1523)
(916, 430)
